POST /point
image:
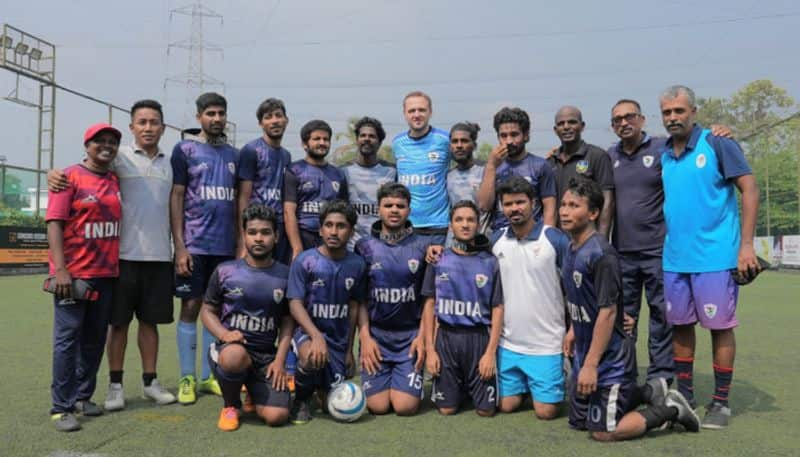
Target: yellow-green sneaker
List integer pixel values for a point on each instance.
(186, 390)
(210, 386)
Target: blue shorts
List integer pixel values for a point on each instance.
(540, 375)
(709, 298)
(396, 371)
(329, 376)
(195, 284)
(603, 409)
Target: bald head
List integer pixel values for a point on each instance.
(568, 125)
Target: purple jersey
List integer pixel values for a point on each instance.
(536, 171)
(265, 166)
(253, 301)
(394, 279)
(466, 288)
(209, 174)
(311, 186)
(591, 279)
(326, 287)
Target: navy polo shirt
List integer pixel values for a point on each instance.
(639, 222)
(588, 161)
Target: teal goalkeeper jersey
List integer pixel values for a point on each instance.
(422, 165)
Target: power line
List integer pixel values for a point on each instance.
(764, 128)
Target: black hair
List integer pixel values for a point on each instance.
(370, 122)
(341, 207)
(311, 126)
(630, 101)
(470, 127)
(588, 189)
(208, 100)
(516, 185)
(260, 212)
(269, 105)
(394, 189)
(465, 204)
(147, 103)
(513, 115)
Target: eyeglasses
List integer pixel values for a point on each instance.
(630, 117)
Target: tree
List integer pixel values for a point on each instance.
(349, 150)
(483, 152)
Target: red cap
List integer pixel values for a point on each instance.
(95, 129)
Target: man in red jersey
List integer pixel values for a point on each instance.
(83, 233)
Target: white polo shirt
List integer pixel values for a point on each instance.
(145, 185)
(534, 319)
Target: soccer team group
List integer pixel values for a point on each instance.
(486, 276)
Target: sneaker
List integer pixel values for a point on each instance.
(186, 390)
(301, 412)
(686, 415)
(115, 399)
(210, 386)
(247, 405)
(65, 422)
(717, 416)
(659, 389)
(88, 408)
(158, 394)
(228, 419)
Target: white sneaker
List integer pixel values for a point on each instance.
(158, 394)
(115, 400)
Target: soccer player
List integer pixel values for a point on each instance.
(530, 253)
(604, 395)
(145, 282)
(463, 317)
(83, 234)
(389, 326)
(509, 158)
(706, 243)
(309, 184)
(423, 157)
(464, 179)
(326, 284)
(366, 174)
(203, 215)
(576, 158)
(262, 167)
(245, 309)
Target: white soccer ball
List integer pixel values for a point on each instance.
(346, 402)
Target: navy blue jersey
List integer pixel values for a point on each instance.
(326, 287)
(536, 171)
(466, 288)
(209, 174)
(394, 281)
(591, 279)
(312, 186)
(265, 166)
(253, 301)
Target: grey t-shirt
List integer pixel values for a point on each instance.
(363, 183)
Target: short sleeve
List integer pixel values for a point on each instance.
(607, 281)
(344, 189)
(180, 166)
(248, 163)
(547, 182)
(731, 158)
(497, 286)
(604, 171)
(297, 280)
(289, 187)
(429, 283)
(214, 293)
(59, 204)
(560, 243)
(359, 293)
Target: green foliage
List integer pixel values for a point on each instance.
(349, 150)
(15, 218)
(482, 154)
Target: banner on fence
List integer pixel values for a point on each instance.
(23, 247)
(791, 250)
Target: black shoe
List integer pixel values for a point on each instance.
(686, 415)
(301, 412)
(88, 408)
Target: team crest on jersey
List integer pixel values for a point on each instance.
(318, 283)
(413, 265)
(648, 161)
(348, 283)
(578, 278)
(335, 185)
(700, 161)
(443, 277)
(277, 294)
(582, 166)
(710, 310)
(536, 250)
(481, 280)
(235, 292)
(433, 156)
(616, 164)
(232, 168)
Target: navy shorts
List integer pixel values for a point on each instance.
(194, 285)
(326, 378)
(603, 409)
(258, 386)
(460, 350)
(310, 239)
(396, 371)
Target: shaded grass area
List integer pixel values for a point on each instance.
(765, 405)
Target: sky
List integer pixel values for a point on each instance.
(333, 60)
